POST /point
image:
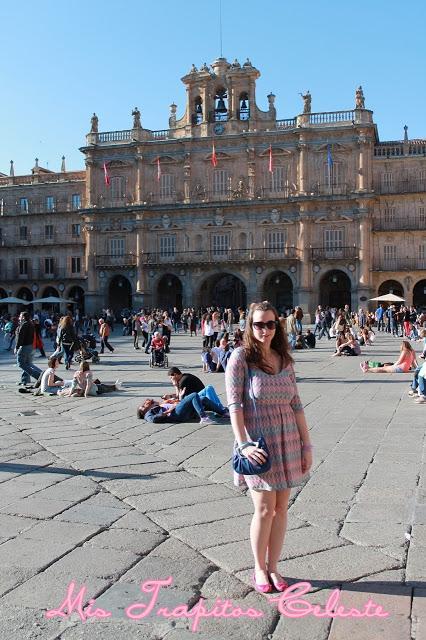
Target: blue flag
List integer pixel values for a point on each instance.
(329, 156)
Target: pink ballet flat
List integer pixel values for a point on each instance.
(261, 588)
(279, 585)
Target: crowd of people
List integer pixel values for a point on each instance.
(254, 349)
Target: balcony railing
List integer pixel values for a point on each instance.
(68, 176)
(326, 189)
(261, 254)
(35, 273)
(407, 185)
(110, 261)
(417, 223)
(330, 117)
(400, 264)
(40, 239)
(289, 123)
(396, 149)
(39, 206)
(340, 253)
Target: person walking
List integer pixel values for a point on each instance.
(68, 340)
(24, 349)
(263, 401)
(104, 331)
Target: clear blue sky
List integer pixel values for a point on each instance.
(62, 60)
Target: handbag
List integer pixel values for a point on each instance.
(244, 465)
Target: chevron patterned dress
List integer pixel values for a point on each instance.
(272, 416)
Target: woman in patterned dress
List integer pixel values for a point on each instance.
(263, 400)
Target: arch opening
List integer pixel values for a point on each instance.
(335, 289)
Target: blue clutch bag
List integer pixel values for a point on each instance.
(245, 466)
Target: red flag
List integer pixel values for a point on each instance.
(271, 170)
(158, 169)
(214, 157)
(106, 175)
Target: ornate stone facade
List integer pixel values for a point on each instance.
(228, 205)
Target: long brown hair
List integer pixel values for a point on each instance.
(252, 346)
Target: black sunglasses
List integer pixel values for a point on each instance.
(271, 324)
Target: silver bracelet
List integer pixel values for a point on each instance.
(244, 445)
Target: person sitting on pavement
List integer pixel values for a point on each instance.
(406, 361)
(418, 385)
(310, 339)
(187, 383)
(350, 347)
(300, 341)
(83, 384)
(186, 409)
(49, 382)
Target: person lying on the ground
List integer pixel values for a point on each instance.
(406, 361)
(84, 385)
(186, 409)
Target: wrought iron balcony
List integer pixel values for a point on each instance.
(405, 185)
(384, 223)
(262, 254)
(109, 261)
(339, 253)
(400, 264)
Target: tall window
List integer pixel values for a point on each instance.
(166, 185)
(333, 175)
(220, 182)
(23, 205)
(117, 188)
(390, 215)
(333, 242)
(116, 247)
(23, 233)
(387, 180)
(23, 266)
(76, 201)
(422, 217)
(167, 246)
(422, 176)
(49, 266)
(48, 232)
(75, 264)
(220, 245)
(50, 203)
(275, 243)
(389, 255)
(76, 230)
(279, 179)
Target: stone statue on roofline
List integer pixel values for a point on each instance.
(94, 122)
(307, 100)
(359, 98)
(136, 118)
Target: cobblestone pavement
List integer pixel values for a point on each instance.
(91, 494)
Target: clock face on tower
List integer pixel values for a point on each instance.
(219, 128)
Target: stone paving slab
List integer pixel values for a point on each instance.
(112, 501)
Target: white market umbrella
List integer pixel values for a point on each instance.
(52, 300)
(388, 297)
(13, 300)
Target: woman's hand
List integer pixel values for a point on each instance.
(306, 460)
(255, 454)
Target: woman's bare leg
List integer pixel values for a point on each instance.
(387, 369)
(260, 530)
(278, 529)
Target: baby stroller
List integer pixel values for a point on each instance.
(158, 358)
(87, 349)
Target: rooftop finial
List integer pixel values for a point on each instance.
(36, 163)
(12, 170)
(405, 133)
(359, 98)
(63, 165)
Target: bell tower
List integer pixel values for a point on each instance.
(223, 93)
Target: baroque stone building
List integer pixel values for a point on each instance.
(227, 205)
